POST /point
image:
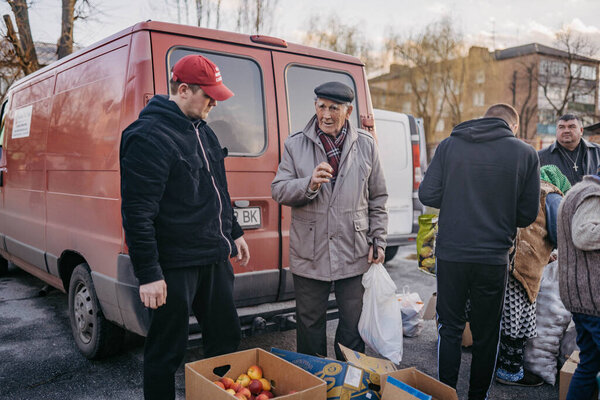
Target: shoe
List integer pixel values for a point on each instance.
(529, 380)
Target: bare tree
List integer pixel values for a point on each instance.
(331, 33)
(563, 80)
(434, 69)
(21, 38)
(525, 75)
(256, 16)
(205, 9)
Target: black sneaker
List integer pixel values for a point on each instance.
(529, 379)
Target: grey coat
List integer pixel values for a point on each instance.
(331, 231)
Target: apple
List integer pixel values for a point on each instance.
(219, 384)
(268, 394)
(245, 392)
(265, 383)
(231, 391)
(240, 396)
(291, 392)
(244, 380)
(236, 386)
(262, 397)
(255, 372)
(226, 382)
(255, 386)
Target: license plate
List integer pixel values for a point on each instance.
(248, 217)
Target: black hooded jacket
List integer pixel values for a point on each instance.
(486, 183)
(175, 202)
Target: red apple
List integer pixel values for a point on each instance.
(226, 382)
(262, 397)
(236, 386)
(255, 386)
(240, 396)
(244, 380)
(255, 372)
(231, 391)
(268, 394)
(219, 384)
(245, 392)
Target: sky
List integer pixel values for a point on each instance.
(495, 24)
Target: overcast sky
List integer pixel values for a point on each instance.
(498, 24)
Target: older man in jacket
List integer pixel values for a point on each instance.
(330, 174)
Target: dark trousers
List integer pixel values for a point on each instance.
(583, 384)
(311, 314)
(484, 285)
(206, 290)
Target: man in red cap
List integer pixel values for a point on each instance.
(179, 223)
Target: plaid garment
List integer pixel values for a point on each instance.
(333, 149)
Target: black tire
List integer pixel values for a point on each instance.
(3, 266)
(94, 335)
(390, 252)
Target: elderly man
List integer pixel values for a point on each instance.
(179, 222)
(572, 154)
(579, 278)
(331, 176)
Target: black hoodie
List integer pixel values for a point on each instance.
(175, 202)
(486, 183)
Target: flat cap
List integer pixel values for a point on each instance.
(335, 91)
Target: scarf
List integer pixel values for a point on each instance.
(333, 148)
(551, 173)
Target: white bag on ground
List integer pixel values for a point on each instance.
(380, 324)
(412, 312)
(552, 318)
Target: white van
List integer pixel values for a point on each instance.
(401, 142)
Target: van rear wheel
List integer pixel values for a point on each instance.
(94, 335)
(390, 252)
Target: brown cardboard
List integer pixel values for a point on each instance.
(372, 364)
(430, 308)
(420, 381)
(284, 376)
(392, 392)
(566, 373)
(467, 337)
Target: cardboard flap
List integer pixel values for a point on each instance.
(423, 382)
(430, 308)
(372, 364)
(398, 390)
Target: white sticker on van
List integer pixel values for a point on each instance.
(22, 124)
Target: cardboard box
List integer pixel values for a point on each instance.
(467, 337)
(566, 373)
(398, 390)
(284, 376)
(344, 380)
(418, 380)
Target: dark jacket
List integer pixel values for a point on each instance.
(175, 203)
(590, 160)
(486, 183)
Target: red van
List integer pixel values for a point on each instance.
(59, 169)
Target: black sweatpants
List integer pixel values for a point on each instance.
(207, 290)
(311, 314)
(484, 285)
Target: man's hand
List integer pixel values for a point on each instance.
(380, 255)
(321, 174)
(243, 255)
(154, 294)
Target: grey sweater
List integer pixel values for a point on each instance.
(579, 247)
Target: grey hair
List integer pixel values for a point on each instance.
(347, 104)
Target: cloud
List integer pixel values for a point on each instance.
(438, 8)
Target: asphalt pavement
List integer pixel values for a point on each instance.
(39, 360)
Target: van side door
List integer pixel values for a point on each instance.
(246, 125)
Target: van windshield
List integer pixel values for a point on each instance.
(300, 84)
(239, 122)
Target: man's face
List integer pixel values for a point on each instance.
(568, 133)
(197, 105)
(331, 116)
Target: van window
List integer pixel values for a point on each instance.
(238, 122)
(300, 84)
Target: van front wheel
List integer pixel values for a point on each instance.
(95, 336)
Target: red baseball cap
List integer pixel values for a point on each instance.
(200, 71)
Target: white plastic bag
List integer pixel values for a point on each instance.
(380, 324)
(412, 307)
(552, 318)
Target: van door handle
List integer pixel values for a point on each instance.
(2, 172)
